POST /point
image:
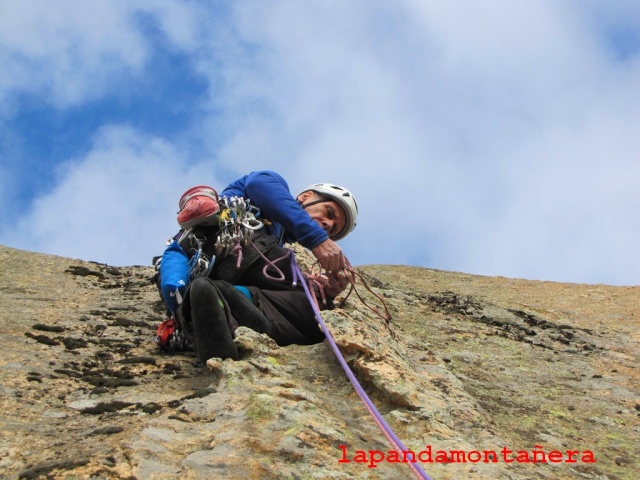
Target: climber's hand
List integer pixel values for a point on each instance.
(330, 256)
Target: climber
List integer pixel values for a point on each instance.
(253, 286)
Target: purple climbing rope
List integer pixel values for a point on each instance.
(380, 421)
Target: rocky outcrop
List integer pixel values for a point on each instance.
(543, 374)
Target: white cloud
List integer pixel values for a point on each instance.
(487, 137)
(115, 205)
(503, 143)
(68, 53)
(76, 51)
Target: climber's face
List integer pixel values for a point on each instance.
(326, 213)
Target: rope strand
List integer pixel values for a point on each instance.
(395, 442)
(387, 315)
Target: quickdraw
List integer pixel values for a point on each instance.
(199, 265)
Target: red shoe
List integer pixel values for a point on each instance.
(198, 206)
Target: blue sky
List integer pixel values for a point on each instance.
(486, 137)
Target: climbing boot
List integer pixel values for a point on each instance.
(213, 337)
(242, 309)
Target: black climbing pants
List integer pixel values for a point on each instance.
(212, 308)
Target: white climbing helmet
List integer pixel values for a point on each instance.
(342, 197)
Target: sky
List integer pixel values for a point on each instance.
(487, 137)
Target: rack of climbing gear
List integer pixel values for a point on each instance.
(237, 223)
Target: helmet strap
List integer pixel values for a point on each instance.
(308, 204)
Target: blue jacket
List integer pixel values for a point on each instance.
(269, 192)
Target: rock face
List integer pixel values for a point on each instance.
(543, 374)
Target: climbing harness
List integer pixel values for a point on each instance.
(396, 443)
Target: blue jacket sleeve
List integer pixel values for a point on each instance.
(269, 192)
(174, 275)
